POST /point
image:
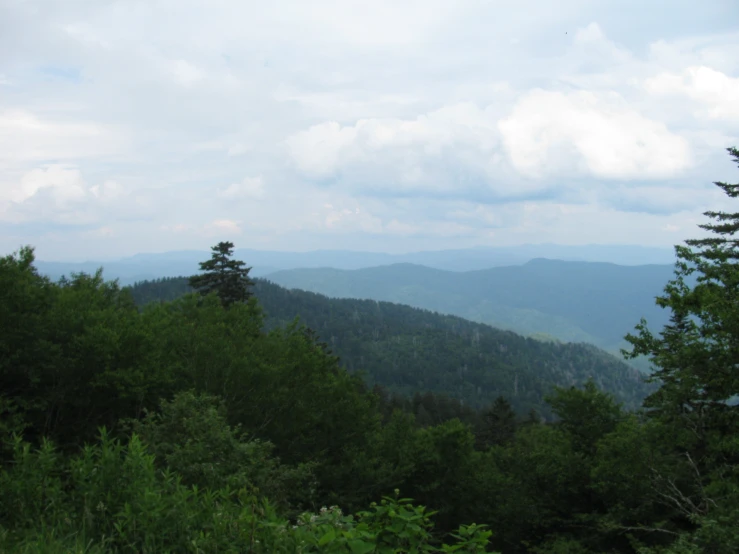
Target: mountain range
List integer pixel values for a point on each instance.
(597, 303)
(575, 298)
(172, 264)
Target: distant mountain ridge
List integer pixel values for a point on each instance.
(593, 302)
(171, 264)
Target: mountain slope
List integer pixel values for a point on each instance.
(410, 350)
(572, 301)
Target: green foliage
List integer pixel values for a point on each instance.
(75, 354)
(499, 424)
(190, 436)
(111, 498)
(627, 466)
(587, 414)
(695, 356)
(442, 464)
(227, 278)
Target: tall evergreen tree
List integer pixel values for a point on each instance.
(226, 277)
(697, 366)
(697, 355)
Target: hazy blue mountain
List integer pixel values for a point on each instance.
(134, 269)
(484, 258)
(570, 301)
(170, 264)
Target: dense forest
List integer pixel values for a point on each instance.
(190, 426)
(407, 350)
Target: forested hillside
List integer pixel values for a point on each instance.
(570, 301)
(410, 350)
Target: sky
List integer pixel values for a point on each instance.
(390, 126)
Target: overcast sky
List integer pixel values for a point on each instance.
(153, 125)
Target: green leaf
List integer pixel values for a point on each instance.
(361, 547)
(327, 538)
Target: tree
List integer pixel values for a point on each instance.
(587, 415)
(190, 435)
(226, 277)
(499, 424)
(697, 355)
(697, 361)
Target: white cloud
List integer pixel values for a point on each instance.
(592, 41)
(600, 135)
(59, 193)
(717, 92)
(26, 137)
(109, 191)
(317, 150)
(426, 152)
(65, 184)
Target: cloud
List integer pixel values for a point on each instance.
(59, 193)
(109, 191)
(717, 93)
(546, 135)
(26, 137)
(447, 149)
(316, 151)
(65, 184)
(440, 122)
(584, 133)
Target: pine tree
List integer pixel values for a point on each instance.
(226, 277)
(697, 355)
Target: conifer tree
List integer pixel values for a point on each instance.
(226, 277)
(697, 355)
